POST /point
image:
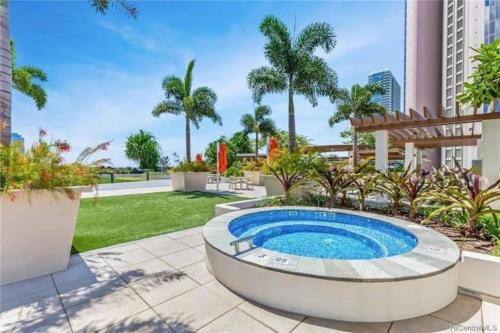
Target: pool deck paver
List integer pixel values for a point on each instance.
(144, 286)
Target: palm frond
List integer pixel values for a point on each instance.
(316, 35)
(173, 87)
(266, 80)
(102, 6)
(188, 78)
(168, 106)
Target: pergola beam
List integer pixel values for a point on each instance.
(448, 141)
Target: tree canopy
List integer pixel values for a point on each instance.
(238, 143)
(143, 148)
(260, 124)
(293, 66)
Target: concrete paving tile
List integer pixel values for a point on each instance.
(52, 323)
(424, 324)
(80, 274)
(23, 315)
(192, 310)
(183, 258)
(184, 233)
(193, 240)
(198, 272)
(24, 292)
(464, 310)
(200, 248)
(102, 312)
(235, 321)
(118, 259)
(280, 321)
(317, 325)
(144, 322)
(491, 317)
(145, 269)
(162, 288)
(219, 289)
(164, 247)
(91, 291)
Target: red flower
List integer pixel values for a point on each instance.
(62, 146)
(199, 158)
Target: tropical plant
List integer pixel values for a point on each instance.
(283, 139)
(467, 193)
(391, 189)
(196, 166)
(164, 163)
(364, 180)
(293, 66)
(367, 140)
(194, 105)
(26, 80)
(355, 103)
(143, 148)
(102, 6)
(484, 83)
(233, 170)
(258, 123)
(42, 167)
(252, 165)
(332, 179)
(290, 168)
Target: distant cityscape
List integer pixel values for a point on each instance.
(391, 99)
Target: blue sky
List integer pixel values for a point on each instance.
(105, 72)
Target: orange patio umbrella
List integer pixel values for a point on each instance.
(222, 158)
(273, 145)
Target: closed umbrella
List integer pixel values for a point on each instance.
(221, 161)
(273, 146)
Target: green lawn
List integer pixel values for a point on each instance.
(114, 220)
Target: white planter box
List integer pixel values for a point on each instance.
(273, 186)
(36, 232)
(480, 273)
(256, 177)
(189, 181)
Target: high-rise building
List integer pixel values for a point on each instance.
(463, 29)
(391, 99)
(423, 48)
(491, 21)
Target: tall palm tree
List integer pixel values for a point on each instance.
(6, 70)
(293, 66)
(5, 75)
(194, 105)
(355, 103)
(258, 123)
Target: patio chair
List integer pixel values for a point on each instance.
(233, 183)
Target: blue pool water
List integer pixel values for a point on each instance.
(324, 235)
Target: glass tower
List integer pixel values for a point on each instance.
(391, 99)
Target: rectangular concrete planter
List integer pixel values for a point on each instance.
(273, 186)
(189, 181)
(256, 177)
(480, 273)
(36, 232)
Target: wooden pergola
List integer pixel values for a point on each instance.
(364, 152)
(428, 129)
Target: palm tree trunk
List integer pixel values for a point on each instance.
(188, 140)
(5, 75)
(292, 139)
(354, 148)
(256, 146)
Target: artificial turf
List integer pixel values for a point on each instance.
(113, 220)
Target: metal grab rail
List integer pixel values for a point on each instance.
(236, 243)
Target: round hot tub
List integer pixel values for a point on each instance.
(332, 263)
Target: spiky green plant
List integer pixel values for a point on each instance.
(468, 193)
(332, 179)
(364, 180)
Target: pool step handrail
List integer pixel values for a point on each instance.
(236, 243)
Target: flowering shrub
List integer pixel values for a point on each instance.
(196, 166)
(42, 167)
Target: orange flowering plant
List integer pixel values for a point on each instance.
(42, 167)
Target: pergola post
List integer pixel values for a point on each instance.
(410, 155)
(381, 150)
(490, 148)
(354, 148)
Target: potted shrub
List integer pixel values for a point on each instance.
(39, 206)
(251, 170)
(190, 176)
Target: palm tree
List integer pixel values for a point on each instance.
(356, 103)
(293, 66)
(7, 72)
(258, 123)
(24, 80)
(194, 105)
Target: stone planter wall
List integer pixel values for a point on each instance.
(36, 232)
(256, 177)
(189, 181)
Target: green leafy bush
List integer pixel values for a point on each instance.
(234, 171)
(196, 166)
